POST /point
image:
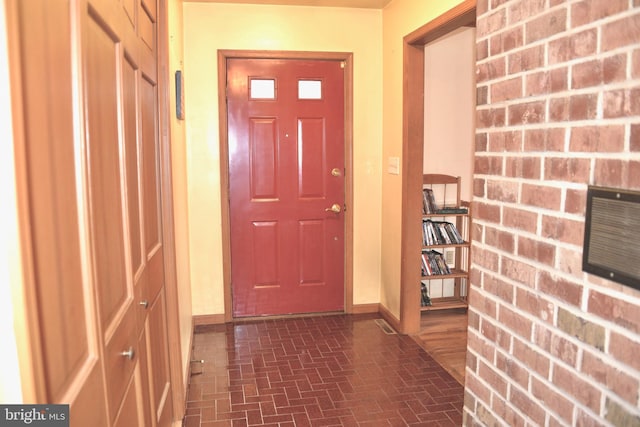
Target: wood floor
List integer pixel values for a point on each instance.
(443, 334)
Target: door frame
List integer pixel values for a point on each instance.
(347, 58)
(413, 149)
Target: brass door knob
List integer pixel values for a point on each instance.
(334, 208)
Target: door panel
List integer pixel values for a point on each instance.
(103, 64)
(287, 250)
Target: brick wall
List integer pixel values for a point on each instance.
(558, 89)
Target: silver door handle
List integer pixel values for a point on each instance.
(334, 208)
(128, 354)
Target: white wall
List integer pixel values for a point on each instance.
(449, 122)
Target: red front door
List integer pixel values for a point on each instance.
(286, 174)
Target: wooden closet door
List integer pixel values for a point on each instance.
(87, 92)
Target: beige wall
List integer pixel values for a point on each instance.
(399, 18)
(209, 27)
(179, 175)
(449, 106)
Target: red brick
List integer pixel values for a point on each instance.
(559, 79)
(499, 288)
(541, 196)
(614, 68)
(560, 288)
(481, 141)
(506, 90)
(490, 332)
(559, 51)
(634, 175)
(486, 259)
(515, 372)
(488, 165)
(586, 12)
(521, 11)
(634, 140)
(563, 230)
(546, 25)
(482, 49)
(570, 262)
(506, 413)
(613, 379)
(497, 382)
(623, 32)
(490, 213)
(583, 107)
(500, 239)
(567, 169)
(553, 400)
(490, 70)
(575, 201)
(635, 64)
(481, 391)
(478, 187)
(544, 139)
(621, 103)
(527, 113)
(510, 141)
(587, 74)
(520, 325)
(523, 167)
(625, 350)
(518, 271)
(527, 405)
(610, 172)
(527, 59)
(491, 23)
(490, 118)
(482, 95)
(537, 83)
(617, 310)
(584, 44)
(559, 110)
(534, 304)
(564, 350)
(573, 384)
(502, 191)
(481, 347)
(520, 219)
(536, 250)
(597, 139)
(531, 358)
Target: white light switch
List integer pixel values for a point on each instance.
(394, 166)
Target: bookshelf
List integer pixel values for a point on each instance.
(446, 246)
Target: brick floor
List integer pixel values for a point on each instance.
(339, 370)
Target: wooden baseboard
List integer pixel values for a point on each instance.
(390, 318)
(208, 319)
(365, 308)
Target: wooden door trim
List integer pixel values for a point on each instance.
(413, 148)
(178, 369)
(347, 58)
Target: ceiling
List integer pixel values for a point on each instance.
(366, 4)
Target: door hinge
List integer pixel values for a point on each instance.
(342, 64)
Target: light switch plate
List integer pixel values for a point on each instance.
(394, 166)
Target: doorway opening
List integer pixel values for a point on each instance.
(463, 15)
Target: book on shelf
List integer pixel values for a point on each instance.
(425, 299)
(452, 210)
(440, 233)
(429, 205)
(434, 264)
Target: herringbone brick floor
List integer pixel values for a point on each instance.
(339, 370)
